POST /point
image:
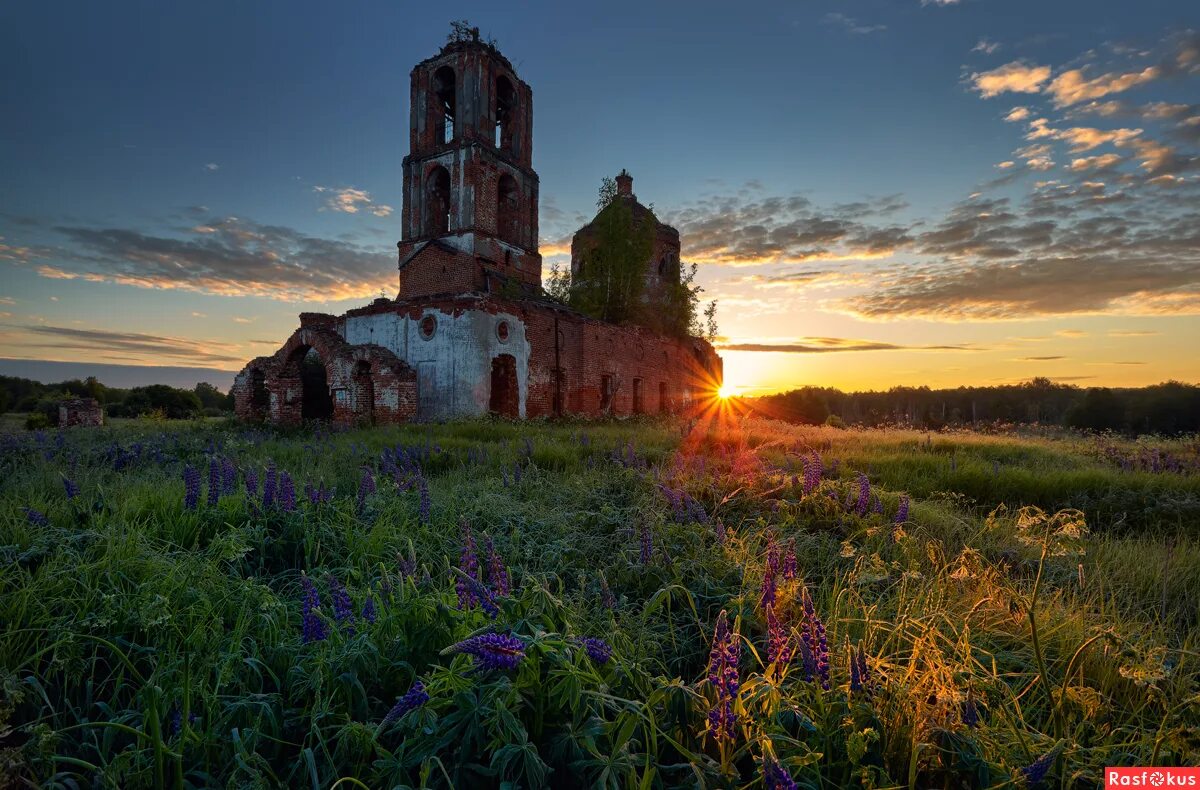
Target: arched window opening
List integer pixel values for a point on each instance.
(437, 202)
(506, 209)
(445, 95)
(506, 105)
(317, 403)
(662, 267)
(258, 390)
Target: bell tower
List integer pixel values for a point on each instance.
(469, 183)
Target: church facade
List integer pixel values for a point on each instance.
(470, 331)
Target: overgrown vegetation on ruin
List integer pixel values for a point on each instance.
(485, 604)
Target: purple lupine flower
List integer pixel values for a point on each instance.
(878, 506)
(970, 711)
(766, 598)
(1035, 772)
(497, 573)
(175, 721)
(606, 594)
(492, 651)
(269, 485)
(775, 777)
(779, 640)
(343, 608)
(597, 649)
(414, 698)
(71, 489)
(424, 506)
(813, 632)
(251, 484)
(789, 561)
(191, 487)
(228, 476)
(214, 481)
(468, 563)
(902, 510)
(314, 628)
(517, 473)
(647, 551)
(864, 494)
(368, 610)
(366, 487)
(36, 518)
(723, 675)
(287, 492)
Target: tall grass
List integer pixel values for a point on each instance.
(143, 644)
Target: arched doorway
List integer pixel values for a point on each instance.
(260, 399)
(316, 401)
(364, 393)
(505, 399)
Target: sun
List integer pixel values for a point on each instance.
(726, 391)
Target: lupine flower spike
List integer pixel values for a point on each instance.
(497, 573)
(775, 777)
(191, 487)
(314, 628)
(491, 651)
(597, 649)
(723, 675)
(468, 563)
(414, 698)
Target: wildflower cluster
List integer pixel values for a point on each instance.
(723, 675)
(313, 627)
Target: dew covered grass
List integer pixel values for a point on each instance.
(487, 604)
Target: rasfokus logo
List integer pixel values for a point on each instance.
(1152, 777)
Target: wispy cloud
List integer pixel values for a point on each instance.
(986, 47)
(351, 200)
(228, 257)
(829, 345)
(106, 344)
(851, 24)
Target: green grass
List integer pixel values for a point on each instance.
(129, 607)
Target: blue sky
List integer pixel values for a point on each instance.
(822, 160)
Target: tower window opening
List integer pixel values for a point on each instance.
(444, 89)
(437, 202)
(505, 105)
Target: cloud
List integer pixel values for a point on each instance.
(1015, 77)
(851, 24)
(986, 47)
(199, 315)
(1132, 333)
(1072, 333)
(350, 200)
(828, 345)
(211, 166)
(1017, 114)
(1101, 162)
(135, 345)
(745, 229)
(1006, 164)
(1038, 359)
(1072, 86)
(7, 300)
(942, 3)
(231, 257)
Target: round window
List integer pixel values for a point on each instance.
(502, 331)
(428, 326)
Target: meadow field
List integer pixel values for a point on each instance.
(717, 603)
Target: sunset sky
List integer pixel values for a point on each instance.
(878, 192)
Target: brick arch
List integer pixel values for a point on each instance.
(390, 381)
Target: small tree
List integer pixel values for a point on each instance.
(612, 272)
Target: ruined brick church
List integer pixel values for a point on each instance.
(471, 331)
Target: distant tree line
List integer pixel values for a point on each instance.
(1170, 408)
(33, 397)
